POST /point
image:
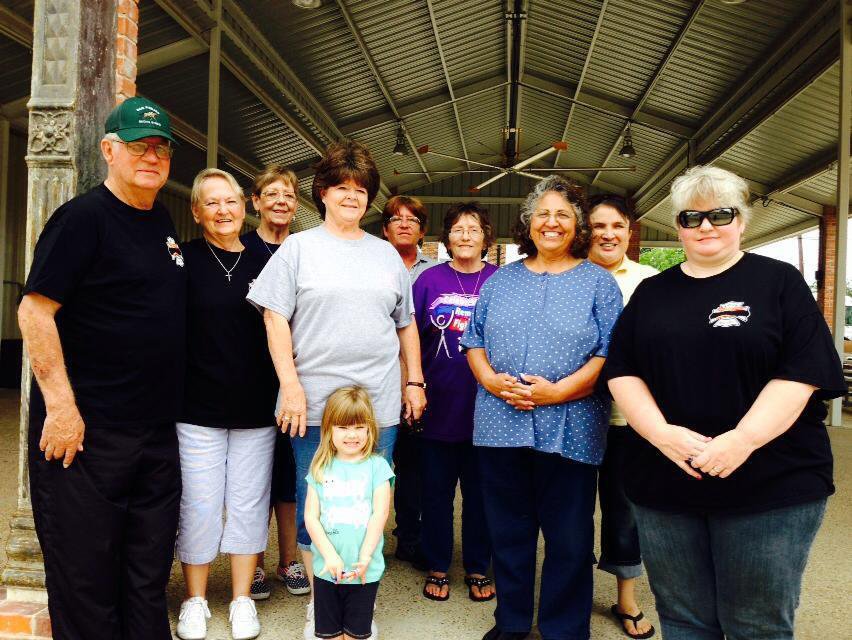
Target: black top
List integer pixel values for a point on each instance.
(706, 347)
(121, 280)
(230, 380)
(253, 240)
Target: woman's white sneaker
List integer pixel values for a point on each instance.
(192, 620)
(243, 618)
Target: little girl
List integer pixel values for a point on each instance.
(345, 512)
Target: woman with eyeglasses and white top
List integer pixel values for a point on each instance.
(536, 342)
(226, 433)
(444, 298)
(721, 366)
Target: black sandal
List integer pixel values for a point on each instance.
(438, 582)
(621, 617)
(471, 582)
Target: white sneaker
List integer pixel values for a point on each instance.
(192, 620)
(374, 630)
(243, 618)
(309, 622)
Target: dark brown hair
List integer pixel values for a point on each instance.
(347, 160)
(621, 204)
(474, 209)
(575, 195)
(273, 173)
(396, 203)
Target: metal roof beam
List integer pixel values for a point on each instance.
(469, 198)
(15, 109)
(16, 28)
(579, 87)
(169, 54)
(607, 106)
(462, 92)
(447, 78)
(661, 68)
(783, 234)
(365, 52)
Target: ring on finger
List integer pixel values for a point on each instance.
(715, 470)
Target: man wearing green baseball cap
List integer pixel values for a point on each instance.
(103, 322)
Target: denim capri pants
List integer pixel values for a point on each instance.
(224, 471)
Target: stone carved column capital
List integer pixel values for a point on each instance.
(51, 132)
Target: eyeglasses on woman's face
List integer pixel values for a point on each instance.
(275, 196)
(718, 217)
(472, 233)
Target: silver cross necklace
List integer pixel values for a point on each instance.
(227, 271)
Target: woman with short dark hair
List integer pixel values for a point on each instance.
(536, 343)
(338, 312)
(444, 298)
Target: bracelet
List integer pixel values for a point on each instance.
(422, 385)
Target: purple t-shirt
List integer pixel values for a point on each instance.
(443, 304)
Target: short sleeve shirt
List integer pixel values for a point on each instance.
(548, 325)
(120, 277)
(346, 504)
(706, 348)
(344, 300)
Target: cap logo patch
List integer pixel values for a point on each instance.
(149, 115)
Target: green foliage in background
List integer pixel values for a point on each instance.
(661, 258)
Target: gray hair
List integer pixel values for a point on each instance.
(705, 182)
(206, 174)
(574, 194)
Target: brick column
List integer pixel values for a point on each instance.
(493, 255)
(127, 36)
(825, 267)
(430, 249)
(635, 240)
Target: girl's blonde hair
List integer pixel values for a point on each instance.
(345, 407)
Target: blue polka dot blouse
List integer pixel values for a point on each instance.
(548, 325)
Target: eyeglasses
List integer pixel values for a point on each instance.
(561, 215)
(139, 148)
(274, 196)
(473, 234)
(398, 220)
(720, 217)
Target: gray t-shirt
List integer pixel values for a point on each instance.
(344, 300)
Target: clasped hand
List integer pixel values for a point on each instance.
(335, 568)
(534, 391)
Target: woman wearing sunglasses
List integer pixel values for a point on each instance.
(721, 366)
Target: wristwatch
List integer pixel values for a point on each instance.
(422, 385)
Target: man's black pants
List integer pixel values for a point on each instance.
(107, 527)
(406, 492)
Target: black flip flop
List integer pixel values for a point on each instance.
(621, 617)
(438, 582)
(471, 582)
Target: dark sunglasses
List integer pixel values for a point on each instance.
(718, 217)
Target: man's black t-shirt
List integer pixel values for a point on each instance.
(230, 380)
(706, 347)
(119, 275)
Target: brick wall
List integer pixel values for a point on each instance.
(635, 239)
(127, 35)
(430, 250)
(827, 258)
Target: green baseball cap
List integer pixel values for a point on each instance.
(137, 118)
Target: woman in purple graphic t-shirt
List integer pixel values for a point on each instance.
(444, 298)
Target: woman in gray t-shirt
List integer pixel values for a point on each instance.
(338, 311)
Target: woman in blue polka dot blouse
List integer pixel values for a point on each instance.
(536, 344)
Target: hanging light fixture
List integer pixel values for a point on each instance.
(400, 148)
(627, 149)
(307, 4)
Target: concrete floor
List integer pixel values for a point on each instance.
(404, 614)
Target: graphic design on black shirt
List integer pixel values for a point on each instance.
(729, 314)
(174, 251)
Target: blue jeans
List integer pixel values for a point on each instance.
(304, 449)
(526, 491)
(728, 576)
(443, 465)
(619, 539)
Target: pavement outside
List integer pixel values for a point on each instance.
(403, 613)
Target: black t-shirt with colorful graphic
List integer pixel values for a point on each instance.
(230, 380)
(121, 279)
(706, 347)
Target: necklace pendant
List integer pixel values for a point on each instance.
(228, 276)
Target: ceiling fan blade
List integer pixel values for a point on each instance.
(556, 146)
(490, 180)
(423, 173)
(553, 169)
(444, 155)
(529, 175)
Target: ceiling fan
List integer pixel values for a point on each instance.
(519, 168)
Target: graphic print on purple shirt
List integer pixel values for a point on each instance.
(444, 300)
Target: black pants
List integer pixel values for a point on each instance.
(107, 527)
(406, 491)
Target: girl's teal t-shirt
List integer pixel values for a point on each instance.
(346, 504)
